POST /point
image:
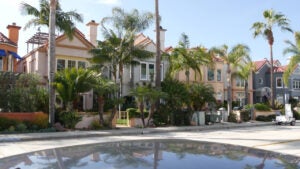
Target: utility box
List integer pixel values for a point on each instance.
(198, 118)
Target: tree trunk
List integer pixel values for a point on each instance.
(100, 109)
(158, 54)
(51, 61)
(112, 116)
(151, 113)
(229, 100)
(246, 92)
(141, 106)
(271, 74)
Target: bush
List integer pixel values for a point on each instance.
(95, 125)
(262, 107)
(135, 113)
(268, 118)
(41, 120)
(5, 123)
(232, 118)
(245, 115)
(21, 127)
(68, 119)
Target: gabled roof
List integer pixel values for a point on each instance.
(280, 69)
(5, 40)
(259, 64)
(142, 40)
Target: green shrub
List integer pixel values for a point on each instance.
(268, 118)
(21, 127)
(95, 125)
(262, 107)
(296, 115)
(135, 113)
(5, 123)
(68, 119)
(245, 115)
(232, 118)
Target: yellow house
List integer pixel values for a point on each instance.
(69, 53)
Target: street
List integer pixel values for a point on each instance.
(282, 139)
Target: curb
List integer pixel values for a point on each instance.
(118, 132)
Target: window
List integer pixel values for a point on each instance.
(260, 81)
(239, 82)
(81, 64)
(143, 71)
(147, 71)
(151, 72)
(60, 64)
(210, 75)
(71, 63)
(1, 62)
(161, 72)
(219, 75)
(279, 82)
(296, 84)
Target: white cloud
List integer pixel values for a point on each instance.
(110, 2)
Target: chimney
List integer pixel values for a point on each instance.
(162, 38)
(92, 32)
(13, 32)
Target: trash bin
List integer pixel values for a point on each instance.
(198, 118)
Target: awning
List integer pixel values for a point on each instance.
(14, 54)
(2, 53)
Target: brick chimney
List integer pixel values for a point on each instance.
(92, 32)
(13, 32)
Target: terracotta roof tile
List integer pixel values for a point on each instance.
(259, 64)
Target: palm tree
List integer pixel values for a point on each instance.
(119, 53)
(243, 72)
(238, 55)
(51, 15)
(158, 50)
(69, 83)
(200, 94)
(294, 50)
(124, 24)
(184, 58)
(101, 88)
(265, 29)
(51, 61)
(64, 21)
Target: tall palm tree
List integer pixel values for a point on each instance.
(265, 29)
(50, 14)
(124, 24)
(158, 50)
(119, 52)
(64, 21)
(294, 50)
(51, 61)
(184, 58)
(238, 55)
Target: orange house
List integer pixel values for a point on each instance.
(9, 49)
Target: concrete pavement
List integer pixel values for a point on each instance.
(283, 139)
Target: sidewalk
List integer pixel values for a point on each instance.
(123, 131)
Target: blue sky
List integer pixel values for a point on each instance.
(206, 22)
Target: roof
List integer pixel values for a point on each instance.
(280, 69)
(5, 40)
(142, 40)
(259, 64)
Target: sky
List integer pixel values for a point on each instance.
(209, 23)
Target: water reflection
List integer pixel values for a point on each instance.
(152, 154)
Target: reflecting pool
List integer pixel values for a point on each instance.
(152, 154)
